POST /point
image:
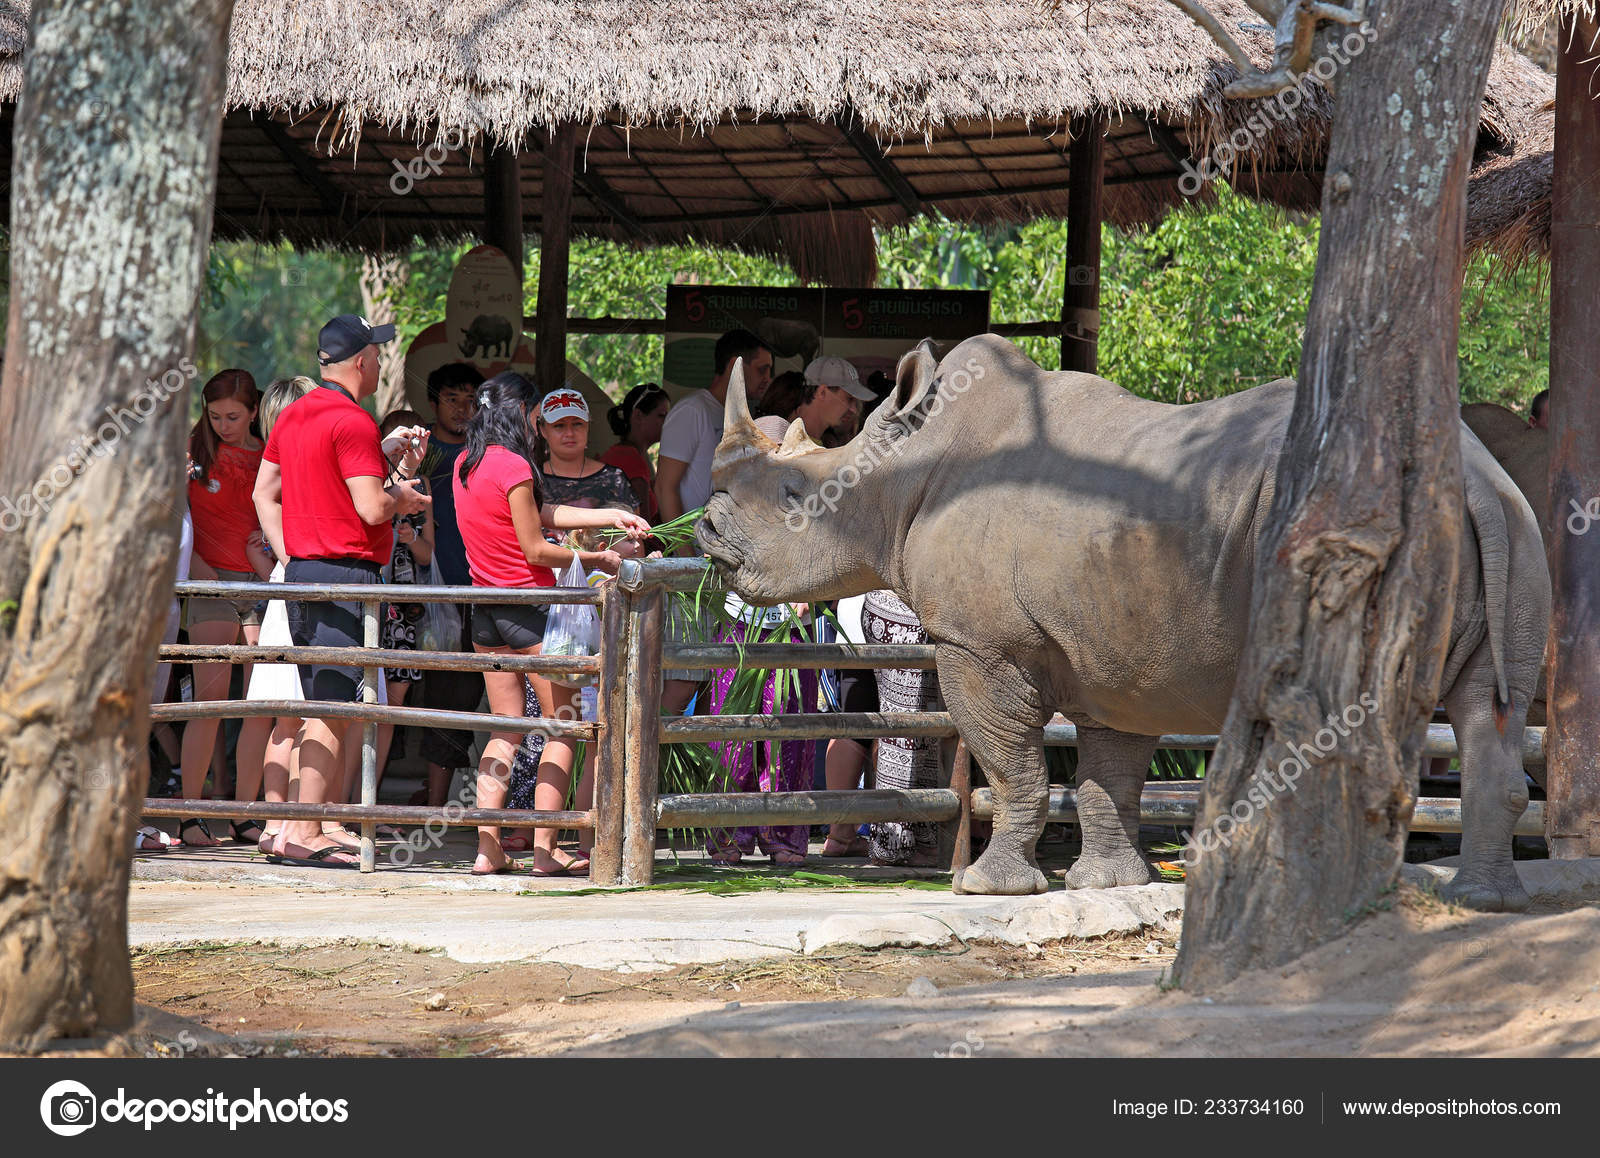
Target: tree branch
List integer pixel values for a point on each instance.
(1296, 24)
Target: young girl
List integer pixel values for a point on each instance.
(267, 745)
(637, 422)
(502, 511)
(224, 457)
(530, 753)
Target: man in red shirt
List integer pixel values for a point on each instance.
(326, 503)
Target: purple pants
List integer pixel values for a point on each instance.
(781, 766)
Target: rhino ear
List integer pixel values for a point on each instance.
(913, 377)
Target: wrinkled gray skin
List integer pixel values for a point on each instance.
(1071, 547)
(1523, 452)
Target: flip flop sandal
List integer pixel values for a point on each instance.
(164, 841)
(196, 822)
(241, 832)
(516, 844)
(511, 866)
(856, 847)
(319, 858)
(574, 868)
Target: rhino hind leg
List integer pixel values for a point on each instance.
(1494, 792)
(1111, 772)
(996, 709)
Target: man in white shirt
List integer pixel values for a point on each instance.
(694, 425)
(683, 471)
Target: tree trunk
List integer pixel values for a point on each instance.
(380, 272)
(115, 173)
(1356, 573)
(1572, 817)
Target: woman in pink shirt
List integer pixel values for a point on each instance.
(501, 511)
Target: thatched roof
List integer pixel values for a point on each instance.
(1526, 17)
(785, 126)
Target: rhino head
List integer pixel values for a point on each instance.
(796, 522)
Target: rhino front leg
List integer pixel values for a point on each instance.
(996, 708)
(1111, 772)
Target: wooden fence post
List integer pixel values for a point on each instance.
(643, 749)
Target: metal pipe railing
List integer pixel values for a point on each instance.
(359, 656)
(385, 593)
(372, 659)
(377, 713)
(461, 817)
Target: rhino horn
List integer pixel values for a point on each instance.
(740, 435)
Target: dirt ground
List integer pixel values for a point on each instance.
(367, 1000)
(1415, 979)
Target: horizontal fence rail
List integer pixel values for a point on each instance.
(373, 713)
(808, 656)
(385, 593)
(1440, 742)
(1159, 805)
(380, 657)
(462, 817)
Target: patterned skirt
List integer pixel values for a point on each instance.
(903, 763)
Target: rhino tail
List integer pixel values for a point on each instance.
(1494, 562)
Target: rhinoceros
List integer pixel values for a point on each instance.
(1072, 547)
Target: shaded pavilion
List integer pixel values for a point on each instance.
(787, 127)
(795, 127)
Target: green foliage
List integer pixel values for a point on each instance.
(1210, 301)
(264, 306)
(1207, 303)
(1505, 334)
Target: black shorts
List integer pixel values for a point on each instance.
(451, 691)
(319, 624)
(858, 692)
(509, 625)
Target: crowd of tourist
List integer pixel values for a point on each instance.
(298, 484)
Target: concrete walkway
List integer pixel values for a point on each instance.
(695, 913)
(232, 894)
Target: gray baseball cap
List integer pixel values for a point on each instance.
(832, 370)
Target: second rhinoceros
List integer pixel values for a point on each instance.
(1072, 547)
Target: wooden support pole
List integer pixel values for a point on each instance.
(1080, 297)
(605, 859)
(555, 239)
(502, 203)
(1572, 819)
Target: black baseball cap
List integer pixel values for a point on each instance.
(347, 335)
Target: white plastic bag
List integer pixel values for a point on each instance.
(573, 628)
(440, 629)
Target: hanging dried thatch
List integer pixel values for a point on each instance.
(785, 126)
(1524, 18)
